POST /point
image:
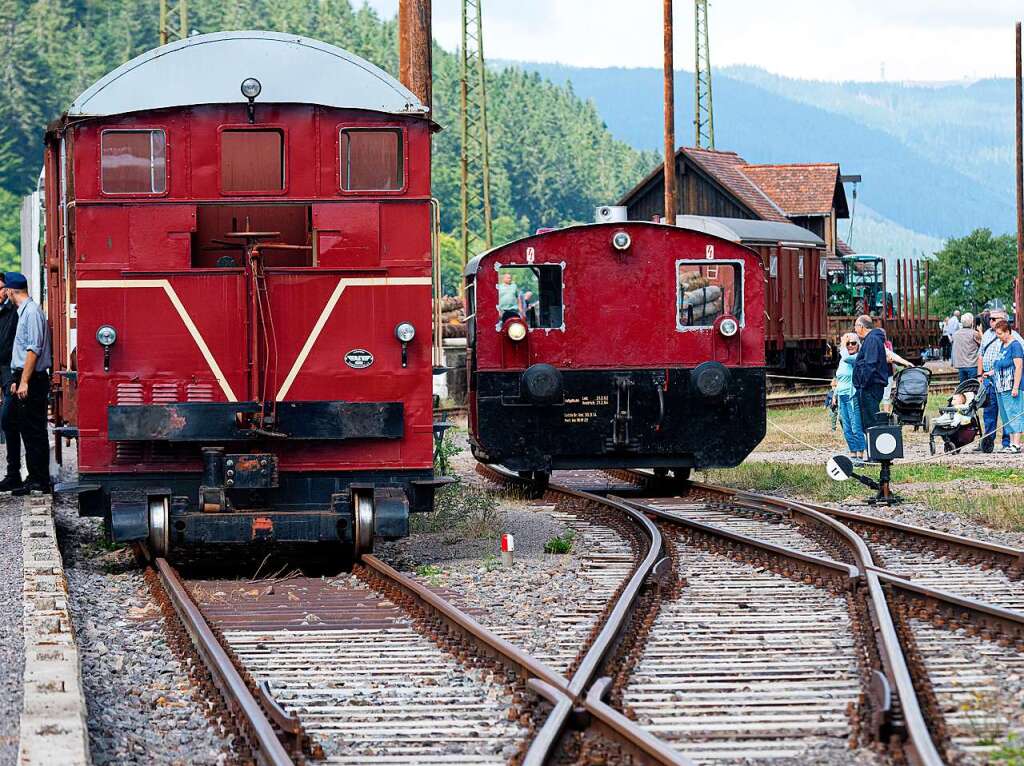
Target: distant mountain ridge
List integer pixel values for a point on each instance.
(935, 160)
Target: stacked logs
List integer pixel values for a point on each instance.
(453, 317)
(701, 301)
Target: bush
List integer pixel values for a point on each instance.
(461, 511)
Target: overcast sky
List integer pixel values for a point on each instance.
(811, 39)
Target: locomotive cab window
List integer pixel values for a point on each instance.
(371, 159)
(533, 293)
(707, 290)
(133, 161)
(251, 161)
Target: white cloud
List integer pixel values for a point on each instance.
(814, 39)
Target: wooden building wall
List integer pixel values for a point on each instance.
(696, 194)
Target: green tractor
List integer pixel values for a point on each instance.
(857, 289)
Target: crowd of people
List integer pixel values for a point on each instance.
(985, 348)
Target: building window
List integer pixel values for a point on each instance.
(251, 161)
(371, 160)
(133, 162)
(706, 292)
(533, 293)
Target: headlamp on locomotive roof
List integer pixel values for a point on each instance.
(106, 336)
(404, 333)
(251, 88)
(516, 331)
(621, 240)
(728, 327)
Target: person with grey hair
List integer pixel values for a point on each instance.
(870, 371)
(966, 342)
(988, 353)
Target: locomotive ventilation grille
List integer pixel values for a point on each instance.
(163, 392)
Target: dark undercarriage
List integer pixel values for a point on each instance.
(707, 417)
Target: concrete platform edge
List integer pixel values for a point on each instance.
(53, 717)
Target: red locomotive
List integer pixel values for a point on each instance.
(623, 344)
(239, 258)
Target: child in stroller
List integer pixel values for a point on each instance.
(959, 424)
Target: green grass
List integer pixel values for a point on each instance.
(1010, 753)
(999, 505)
(431, 572)
(560, 544)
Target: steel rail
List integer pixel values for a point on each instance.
(549, 683)
(607, 719)
(921, 748)
(267, 748)
(1005, 557)
(586, 675)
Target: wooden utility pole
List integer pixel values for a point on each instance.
(670, 121)
(1019, 291)
(415, 50)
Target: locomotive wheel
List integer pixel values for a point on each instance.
(362, 531)
(159, 525)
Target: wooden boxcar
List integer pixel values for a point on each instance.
(796, 297)
(239, 256)
(615, 345)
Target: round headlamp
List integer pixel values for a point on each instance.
(251, 87)
(106, 336)
(516, 331)
(728, 327)
(621, 240)
(405, 332)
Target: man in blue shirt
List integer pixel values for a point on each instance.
(31, 358)
(12, 436)
(870, 371)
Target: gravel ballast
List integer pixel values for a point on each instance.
(142, 706)
(12, 660)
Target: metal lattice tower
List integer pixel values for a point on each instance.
(703, 110)
(169, 31)
(476, 170)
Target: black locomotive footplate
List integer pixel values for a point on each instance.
(229, 421)
(706, 417)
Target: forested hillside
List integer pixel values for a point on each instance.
(936, 160)
(553, 160)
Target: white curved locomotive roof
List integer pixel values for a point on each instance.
(209, 69)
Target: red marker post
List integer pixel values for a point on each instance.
(508, 544)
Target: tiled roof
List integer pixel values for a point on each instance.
(843, 248)
(801, 189)
(727, 168)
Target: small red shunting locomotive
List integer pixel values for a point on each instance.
(623, 344)
(239, 257)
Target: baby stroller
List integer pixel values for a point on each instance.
(959, 434)
(910, 397)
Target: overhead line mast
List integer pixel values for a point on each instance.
(476, 168)
(703, 108)
(169, 33)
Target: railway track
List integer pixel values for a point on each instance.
(941, 383)
(375, 667)
(731, 626)
(956, 602)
